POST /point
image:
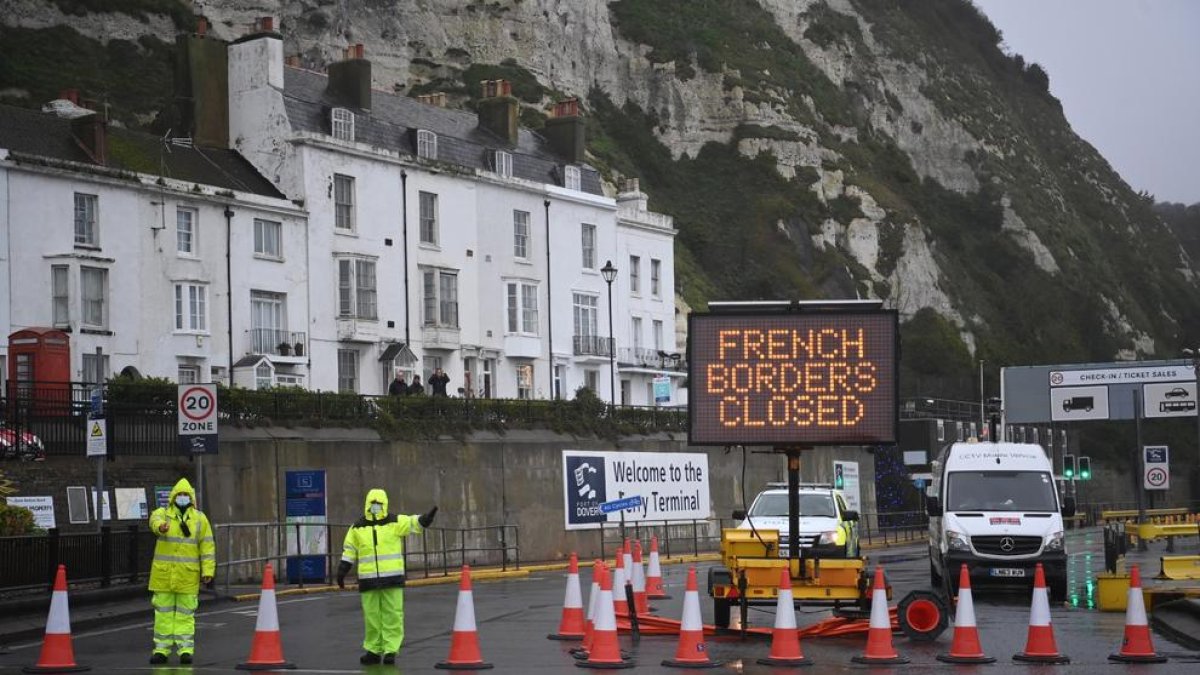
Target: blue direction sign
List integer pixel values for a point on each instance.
(621, 504)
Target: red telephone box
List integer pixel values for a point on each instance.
(39, 369)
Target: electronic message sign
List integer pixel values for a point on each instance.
(799, 378)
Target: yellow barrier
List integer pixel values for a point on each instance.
(1127, 514)
(1151, 531)
(1179, 567)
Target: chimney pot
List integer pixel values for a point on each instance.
(267, 24)
(358, 51)
(201, 26)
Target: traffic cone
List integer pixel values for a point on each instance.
(654, 580)
(620, 604)
(691, 652)
(266, 651)
(581, 651)
(58, 654)
(965, 648)
(1136, 647)
(464, 642)
(879, 634)
(605, 653)
(640, 603)
(785, 639)
(572, 624)
(1039, 645)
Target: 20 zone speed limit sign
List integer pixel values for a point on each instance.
(198, 418)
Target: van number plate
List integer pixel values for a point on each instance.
(1007, 572)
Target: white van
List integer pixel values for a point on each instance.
(995, 508)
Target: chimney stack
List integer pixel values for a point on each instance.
(498, 110)
(632, 197)
(565, 130)
(91, 132)
(350, 79)
(202, 86)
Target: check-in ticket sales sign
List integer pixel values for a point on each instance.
(805, 378)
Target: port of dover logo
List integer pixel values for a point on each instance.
(586, 492)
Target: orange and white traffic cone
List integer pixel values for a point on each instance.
(654, 580)
(785, 639)
(619, 579)
(58, 654)
(1039, 645)
(1136, 647)
(605, 652)
(581, 651)
(640, 603)
(464, 642)
(692, 652)
(966, 647)
(571, 626)
(266, 651)
(879, 634)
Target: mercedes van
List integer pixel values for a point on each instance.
(994, 507)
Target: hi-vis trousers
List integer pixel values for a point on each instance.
(174, 622)
(383, 614)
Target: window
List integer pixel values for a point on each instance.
(188, 375)
(95, 367)
(521, 234)
(502, 163)
(267, 238)
(525, 381)
(440, 289)
(59, 282)
(586, 314)
(655, 278)
(522, 308)
(343, 124)
(429, 215)
(267, 321)
(191, 308)
(356, 289)
(571, 179)
(658, 335)
(591, 380)
(93, 282)
(343, 202)
(263, 374)
(426, 144)
(86, 227)
(635, 274)
(185, 231)
(347, 364)
(589, 246)
(636, 329)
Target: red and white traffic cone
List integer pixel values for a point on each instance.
(464, 642)
(619, 579)
(581, 651)
(692, 652)
(58, 653)
(879, 634)
(654, 580)
(266, 651)
(640, 602)
(966, 647)
(1039, 645)
(1136, 647)
(570, 627)
(785, 639)
(605, 652)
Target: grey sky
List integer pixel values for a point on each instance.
(1128, 75)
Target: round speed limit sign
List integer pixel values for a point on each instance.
(1156, 477)
(197, 409)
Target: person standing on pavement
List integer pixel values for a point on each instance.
(376, 544)
(184, 557)
(416, 388)
(398, 387)
(438, 382)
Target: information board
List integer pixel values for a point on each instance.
(819, 378)
(610, 487)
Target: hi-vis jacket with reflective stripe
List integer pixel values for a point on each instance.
(181, 559)
(376, 544)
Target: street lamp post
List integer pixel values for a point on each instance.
(610, 274)
(1194, 355)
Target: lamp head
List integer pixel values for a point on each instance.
(608, 271)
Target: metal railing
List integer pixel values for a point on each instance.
(120, 554)
(243, 549)
(278, 341)
(676, 537)
(592, 345)
(892, 528)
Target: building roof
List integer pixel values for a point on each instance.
(45, 135)
(393, 119)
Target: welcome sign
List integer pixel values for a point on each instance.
(671, 485)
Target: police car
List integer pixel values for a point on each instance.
(828, 529)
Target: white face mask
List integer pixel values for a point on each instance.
(183, 500)
(376, 508)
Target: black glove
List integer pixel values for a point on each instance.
(343, 568)
(427, 519)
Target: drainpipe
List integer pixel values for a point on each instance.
(549, 304)
(229, 286)
(404, 220)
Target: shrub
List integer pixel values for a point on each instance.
(15, 521)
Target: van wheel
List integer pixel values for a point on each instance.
(1058, 589)
(935, 579)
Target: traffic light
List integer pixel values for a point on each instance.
(1068, 466)
(1085, 468)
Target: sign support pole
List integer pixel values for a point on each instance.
(100, 492)
(1140, 470)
